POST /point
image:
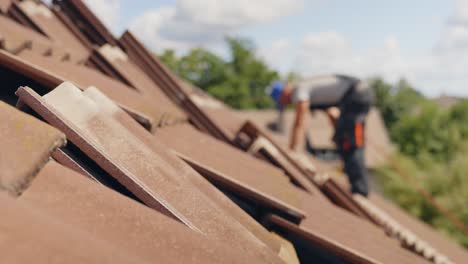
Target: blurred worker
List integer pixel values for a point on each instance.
(347, 101)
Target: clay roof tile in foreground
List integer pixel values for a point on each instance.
(30, 236)
(182, 169)
(136, 167)
(124, 223)
(26, 145)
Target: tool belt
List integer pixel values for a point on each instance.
(350, 132)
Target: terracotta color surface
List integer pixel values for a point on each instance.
(17, 35)
(167, 81)
(334, 224)
(85, 77)
(26, 145)
(4, 4)
(135, 166)
(86, 21)
(51, 25)
(138, 79)
(240, 168)
(220, 113)
(63, 158)
(288, 253)
(436, 240)
(348, 236)
(30, 236)
(185, 172)
(107, 215)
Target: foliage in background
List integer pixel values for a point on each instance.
(433, 146)
(432, 140)
(239, 81)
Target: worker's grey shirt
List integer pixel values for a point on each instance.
(322, 91)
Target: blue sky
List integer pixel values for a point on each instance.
(423, 41)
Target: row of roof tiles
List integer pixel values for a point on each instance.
(150, 137)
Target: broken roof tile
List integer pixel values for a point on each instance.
(124, 223)
(132, 163)
(27, 144)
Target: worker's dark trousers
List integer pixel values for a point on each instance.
(354, 166)
(350, 140)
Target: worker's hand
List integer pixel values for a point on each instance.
(333, 113)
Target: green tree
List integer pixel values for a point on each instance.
(431, 131)
(239, 81)
(395, 101)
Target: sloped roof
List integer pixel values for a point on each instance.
(67, 196)
(135, 166)
(30, 236)
(109, 143)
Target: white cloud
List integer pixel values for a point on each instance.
(331, 52)
(191, 23)
(443, 70)
(108, 11)
(277, 54)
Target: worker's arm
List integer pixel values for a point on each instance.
(298, 127)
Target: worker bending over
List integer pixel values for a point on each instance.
(347, 101)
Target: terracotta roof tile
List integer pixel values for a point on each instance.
(171, 85)
(402, 223)
(183, 170)
(85, 77)
(231, 168)
(30, 236)
(41, 18)
(85, 21)
(114, 62)
(132, 163)
(27, 144)
(229, 121)
(217, 156)
(126, 224)
(350, 237)
(259, 142)
(63, 158)
(17, 37)
(4, 5)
